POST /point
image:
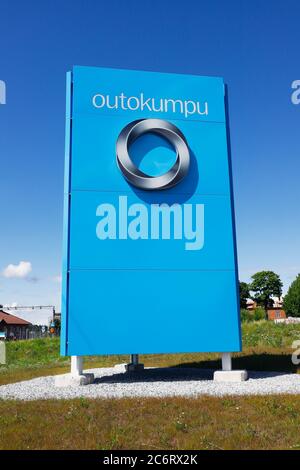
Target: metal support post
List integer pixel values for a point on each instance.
(134, 365)
(226, 361)
(134, 359)
(76, 365)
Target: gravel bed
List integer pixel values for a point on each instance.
(113, 382)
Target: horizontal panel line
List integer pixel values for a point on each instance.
(151, 269)
(144, 116)
(120, 192)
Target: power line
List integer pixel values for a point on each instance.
(35, 307)
(31, 307)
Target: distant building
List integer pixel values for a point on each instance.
(13, 327)
(251, 304)
(278, 302)
(276, 313)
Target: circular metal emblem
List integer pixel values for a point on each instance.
(165, 129)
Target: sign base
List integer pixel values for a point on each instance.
(230, 376)
(69, 380)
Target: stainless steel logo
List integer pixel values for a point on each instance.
(165, 129)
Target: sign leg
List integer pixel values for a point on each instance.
(227, 374)
(134, 365)
(76, 366)
(226, 361)
(76, 376)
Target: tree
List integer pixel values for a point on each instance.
(265, 285)
(57, 324)
(291, 303)
(244, 294)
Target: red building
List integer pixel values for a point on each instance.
(13, 327)
(276, 313)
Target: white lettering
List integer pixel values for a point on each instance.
(145, 103)
(178, 222)
(96, 101)
(173, 103)
(138, 227)
(161, 221)
(164, 105)
(197, 233)
(296, 94)
(137, 103)
(2, 92)
(188, 105)
(106, 227)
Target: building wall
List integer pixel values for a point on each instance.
(276, 313)
(15, 331)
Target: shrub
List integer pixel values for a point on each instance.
(266, 333)
(246, 315)
(259, 314)
(250, 315)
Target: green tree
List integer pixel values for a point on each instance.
(291, 303)
(265, 285)
(244, 294)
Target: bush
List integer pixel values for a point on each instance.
(250, 315)
(246, 315)
(267, 333)
(291, 303)
(259, 314)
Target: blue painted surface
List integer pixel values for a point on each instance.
(96, 137)
(147, 295)
(94, 80)
(152, 311)
(88, 252)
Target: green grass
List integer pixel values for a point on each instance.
(40, 352)
(33, 352)
(151, 423)
(268, 334)
(268, 422)
(266, 347)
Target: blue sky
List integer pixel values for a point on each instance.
(254, 45)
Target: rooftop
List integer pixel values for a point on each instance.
(12, 319)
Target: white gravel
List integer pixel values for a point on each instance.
(113, 382)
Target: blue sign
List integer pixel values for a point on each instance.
(149, 241)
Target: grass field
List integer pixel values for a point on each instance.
(174, 423)
(269, 422)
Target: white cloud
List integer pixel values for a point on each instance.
(20, 270)
(57, 279)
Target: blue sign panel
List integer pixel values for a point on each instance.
(149, 244)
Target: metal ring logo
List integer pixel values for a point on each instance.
(165, 129)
